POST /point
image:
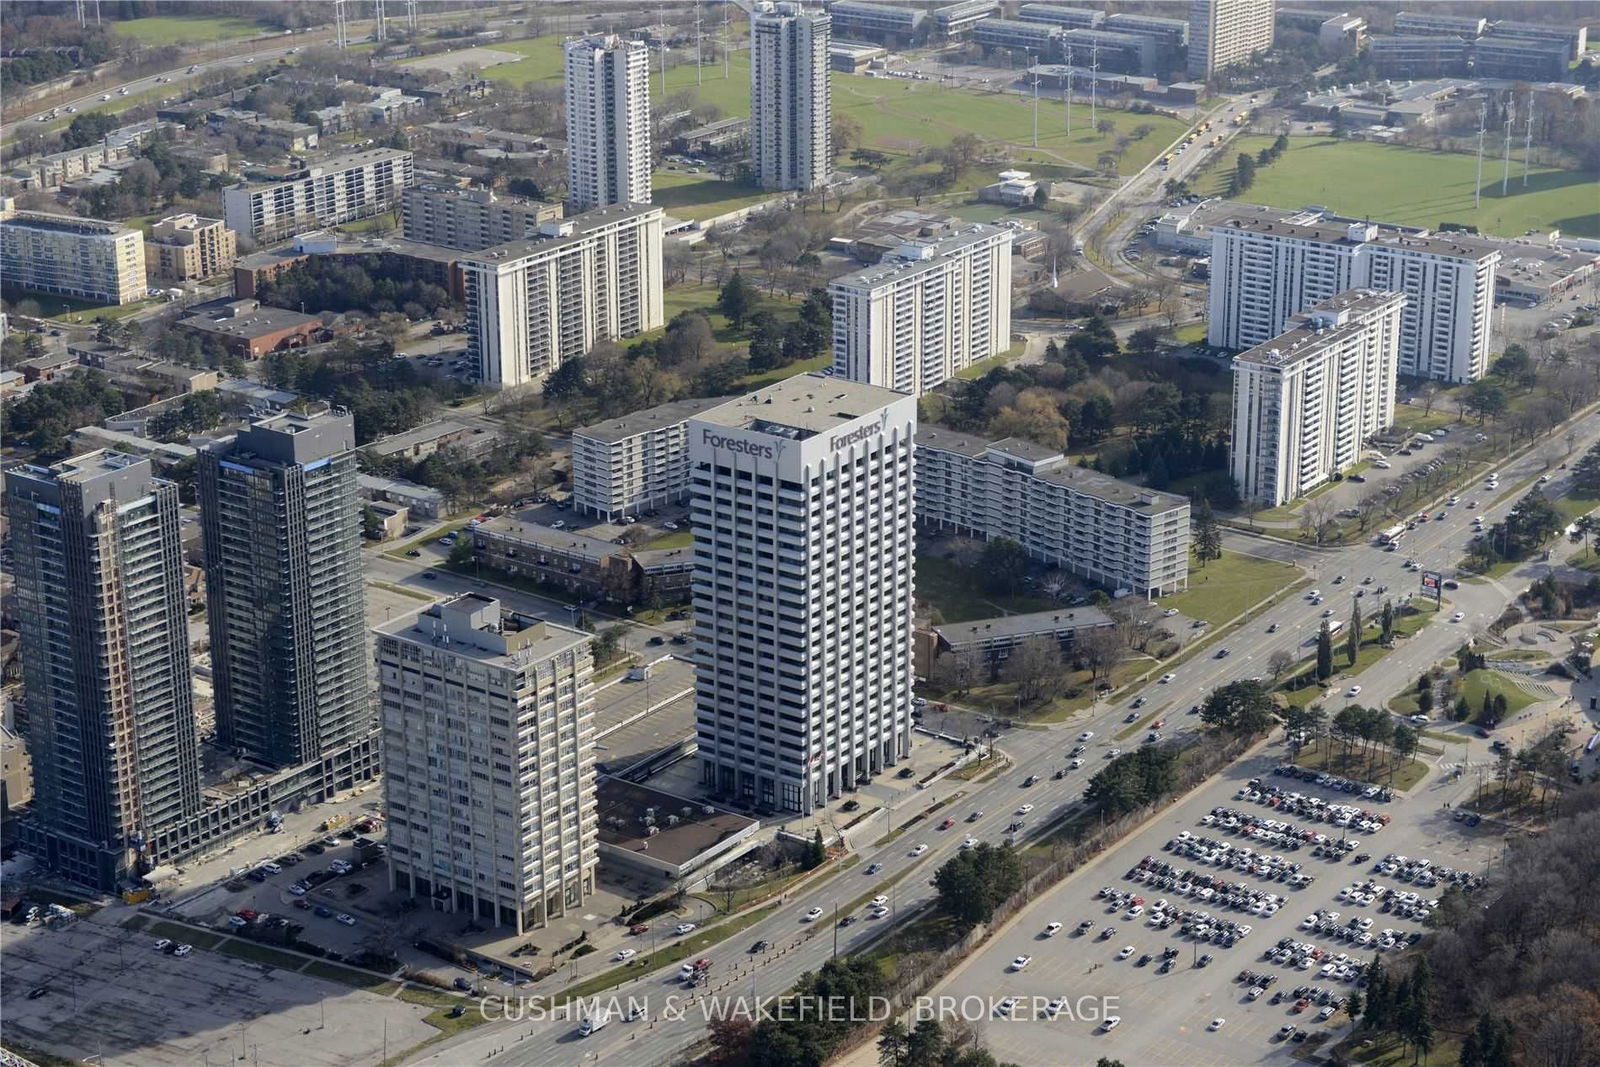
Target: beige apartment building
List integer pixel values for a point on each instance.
(473, 219)
(86, 259)
(183, 248)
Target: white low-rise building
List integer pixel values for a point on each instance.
(336, 190)
(1119, 535)
(488, 731)
(1305, 402)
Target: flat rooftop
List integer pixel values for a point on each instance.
(331, 165)
(935, 251)
(808, 403)
(477, 627)
(1025, 625)
(1310, 336)
(575, 544)
(613, 430)
(1338, 233)
(44, 220)
(624, 806)
(568, 230)
(258, 323)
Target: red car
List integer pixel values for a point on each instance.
(947, 824)
(639, 928)
(1158, 724)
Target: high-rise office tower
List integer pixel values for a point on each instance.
(608, 121)
(488, 754)
(1307, 401)
(791, 111)
(284, 588)
(105, 660)
(1225, 33)
(803, 531)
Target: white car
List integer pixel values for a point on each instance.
(971, 842)
(1024, 809)
(683, 928)
(1165, 678)
(919, 850)
(1354, 690)
(1111, 1022)
(1086, 735)
(624, 955)
(1458, 616)
(1020, 962)
(813, 915)
(161, 946)
(878, 901)
(297, 890)
(1218, 1023)
(1125, 953)
(1169, 613)
(272, 868)
(1052, 929)
(183, 950)
(878, 913)
(1005, 1006)
(345, 918)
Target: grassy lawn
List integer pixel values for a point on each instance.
(1225, 587)
(702, 196)
(1495, 684)
(187, 29)
(957, 592)
(1574, 507)
(984, 366)
(982, 211)
(1192, 333)
(249, 950)
(1413, 186)
(673, 539)
(762, 379)
(1330, 757)
(349, 976)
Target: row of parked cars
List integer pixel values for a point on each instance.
(1424, 873)
(1357, 930)
(1269, 866)
(1264, 830)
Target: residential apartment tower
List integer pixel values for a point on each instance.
(791, 110)
(64, 255)
(1226, 33)
(608, 121)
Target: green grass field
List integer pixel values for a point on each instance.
(185, 29)
(898, 117)
(1414, 187)
(1495, 684)
(957, 593)
(701, 196)
(1225, 587)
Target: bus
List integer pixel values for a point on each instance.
(1334, 626)
(1393, 534)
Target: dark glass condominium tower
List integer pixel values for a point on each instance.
(284, 593)
(105, 660)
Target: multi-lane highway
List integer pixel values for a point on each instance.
(669, 1026)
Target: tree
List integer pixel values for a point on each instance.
(816, 851)
(1279, 662)
(462, 551)
(1387, 622)
(607, 644)
(1404, 742)
(1034, 667)
(736, 300)
(1099, 650)
(1207, 533)
(372, 526)
(1244, 175)
(1486, 400)
(1004, 564)
(976, 881)
(1146, 340)
(1324, 653)
(959, 671)
(1352, 640)
(1244, 706)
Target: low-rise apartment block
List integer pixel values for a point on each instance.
(1072, 18)
(471, 218)
(624, 466)
(488, 749)
(993, 641)
(336, 190)
(1305, 402)
(189, 247)
(1119, 535)
(61, 254)
(1436, 23)
(926, 312)
(589, 278)
(876, 22)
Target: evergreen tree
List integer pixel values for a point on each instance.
(1378, 993)
(1388, 623)
(736, 300)
(1500, 707)
(816, 853)
(1352, 640)
(1487, 712)
(1207, 533)
(1324, 653)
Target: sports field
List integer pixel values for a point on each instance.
(900, 117)
(184, 29)
(1416, 187)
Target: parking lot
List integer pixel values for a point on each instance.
(1300, 892)
(66, 990)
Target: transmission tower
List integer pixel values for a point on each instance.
(1035, 105)
(1094, 85)
(381, 30)
(1505, 177)
(1483, 126)
(697, 69)
(411, 16)
(1527, 143)
(1067, 90)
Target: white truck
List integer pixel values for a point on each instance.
(594, 1022)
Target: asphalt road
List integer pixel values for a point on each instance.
(801, 946)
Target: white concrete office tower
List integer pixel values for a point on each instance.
(1123, 536)
(608, 121)
(624, 466)
(1265, 270)
(488, 731)
(105, 661)
(586, 279)
(803, 528)
(1305, 402)
(791, 109)
(1225, 33)
(925, 312)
